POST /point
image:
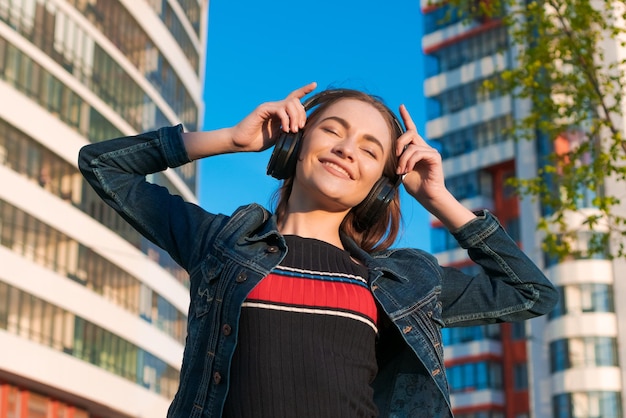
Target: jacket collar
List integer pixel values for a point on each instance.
(250, 224)
(376, 263)
(253, 223)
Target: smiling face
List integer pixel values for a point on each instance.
(343, 154)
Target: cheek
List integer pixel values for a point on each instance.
(376, 168)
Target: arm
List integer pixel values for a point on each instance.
(256, 132)
(117, 170)
(513, 288)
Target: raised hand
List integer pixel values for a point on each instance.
(260, 129)
(419, 163)
(422, 169)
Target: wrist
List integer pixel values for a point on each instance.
(449, 211)
(205, 144)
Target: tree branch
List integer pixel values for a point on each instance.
(589, 74)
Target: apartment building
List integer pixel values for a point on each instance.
(568, 363)
(92, 316)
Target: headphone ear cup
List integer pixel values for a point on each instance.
(282, 163)
(375, 204)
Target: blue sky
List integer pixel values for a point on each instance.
(261, 50)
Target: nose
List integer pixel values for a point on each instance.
(345, 148)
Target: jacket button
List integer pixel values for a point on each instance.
(271, 249)
(241, 277)
(226, 329)
(217, 377)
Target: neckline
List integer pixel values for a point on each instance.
(343, 251)
(294, 236)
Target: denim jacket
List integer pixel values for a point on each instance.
(226, 256)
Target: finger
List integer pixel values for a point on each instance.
(283, 116)
(302, 91)
(430, 157)
(407, 119)
(414, 154)
(410, 137)
(296, 113)
(403, 142)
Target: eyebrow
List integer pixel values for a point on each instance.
(346, 125)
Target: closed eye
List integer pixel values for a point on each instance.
(370, 152)
(330, 131)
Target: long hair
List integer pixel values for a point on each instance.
(382, 234)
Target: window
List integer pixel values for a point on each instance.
(518, 330)
(468, 50)
(583, 298)
(442, 240)
(32, 239)
(440, 18)
(468, 377)
(583, 352)
(460, 335)
(520, 377)
(84, 340)
(587, 405)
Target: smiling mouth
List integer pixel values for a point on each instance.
(338, 168)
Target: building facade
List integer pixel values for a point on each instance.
(568, 363)
(92, 316)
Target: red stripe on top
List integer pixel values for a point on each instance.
(314, 293)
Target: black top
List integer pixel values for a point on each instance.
(306, 342)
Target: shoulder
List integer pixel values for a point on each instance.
(238, 235)
(245, 220)
(410, 263)
(221, 230)
(404, 254)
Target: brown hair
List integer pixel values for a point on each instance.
(382, 234)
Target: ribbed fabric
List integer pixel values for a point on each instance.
(306, 343)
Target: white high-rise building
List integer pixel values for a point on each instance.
(567, 364)
(92, 316)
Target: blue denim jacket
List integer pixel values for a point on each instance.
(226, 256)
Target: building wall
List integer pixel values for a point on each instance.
(92, 316)
(487, 366)
(568, 363)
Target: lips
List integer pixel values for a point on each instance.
(338, 167)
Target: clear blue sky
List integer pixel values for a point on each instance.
(261, 50)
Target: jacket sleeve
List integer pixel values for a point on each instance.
(117, 170)
(512, 287)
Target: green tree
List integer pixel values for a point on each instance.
(568, 67)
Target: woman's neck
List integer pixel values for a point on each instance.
(320, 225)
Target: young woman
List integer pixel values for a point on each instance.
(307, 312)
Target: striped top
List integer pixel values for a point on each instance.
(306, 342)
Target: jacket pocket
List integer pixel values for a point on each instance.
(428, 306)
(207, 285)
(423, 318)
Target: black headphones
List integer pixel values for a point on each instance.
(282, 164)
